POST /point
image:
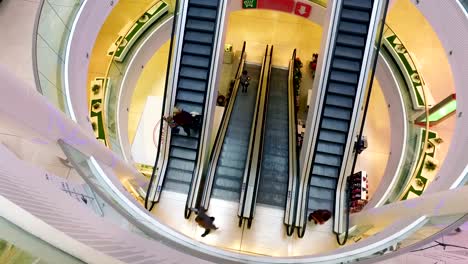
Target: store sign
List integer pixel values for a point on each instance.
(290, 6)
(249, 3)
(302, 9)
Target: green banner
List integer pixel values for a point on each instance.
(249, 3)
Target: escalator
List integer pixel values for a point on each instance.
(229, 159)
(338, 112)
(191, 90)
(232, 159)
(273, 187)
(199, 24)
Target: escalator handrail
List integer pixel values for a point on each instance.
(301, 215)
(361, 129)
(220, 135)
(290, 205)
(261, 134)
(246, 176)
(161, 125)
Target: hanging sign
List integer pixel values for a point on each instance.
(249, 4)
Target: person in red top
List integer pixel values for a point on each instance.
(320, 216)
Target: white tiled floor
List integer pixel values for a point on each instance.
(267, 235)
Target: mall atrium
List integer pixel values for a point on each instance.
(233, 131)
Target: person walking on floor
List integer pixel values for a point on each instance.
(244, 81)
(205, 221)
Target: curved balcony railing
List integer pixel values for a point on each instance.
(410, 181)
(118, 65)
(51, 33)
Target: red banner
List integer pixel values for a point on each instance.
(280, 5)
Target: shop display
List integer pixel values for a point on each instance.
(359, 188)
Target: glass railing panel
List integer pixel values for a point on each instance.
(464, 3)
(18, 246)
(52, 32)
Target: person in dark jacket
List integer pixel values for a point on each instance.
(320, 216)
(182, 118)
(244, 81)
(205, 221)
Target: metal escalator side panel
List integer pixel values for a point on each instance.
(254, 177)
(292, 145)
(370, 55)
(246, 173)
(315, 108)
(220, 141)
(178, 32)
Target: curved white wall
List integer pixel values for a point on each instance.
(140, 58)
(85, 30)
(398, 128)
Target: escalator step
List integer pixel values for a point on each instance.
(204, 3)
(355, 16)
(324, 182)
(339, 101)
(232, 163)
(345, 77)
(332, 136)
(227, 183)
(184, 142)
(355, 28)
(229, 172)
(273, 199)
(338, 113)
(190, 96)
(200, 25)
(179, 175)
(274, 187)
(274, 175)
(183, 153)
(335, 124)
(229, 195)
(194, 73)
(235, 151)
(180, 164)
(350, 40)
(199, 37)
(321, 193)
(348, 53)
(347, 65)
(327, 159)
(191, 84)
(202, 13)
(365, 5)
(196, 61)
(197, 49)
(342, 88)
(323, 171)
(323, 204)
(189, 107)
(176, 186)
(331, 148)
(235, 141)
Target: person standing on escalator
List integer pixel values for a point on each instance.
(184, 119)
(244, 81)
